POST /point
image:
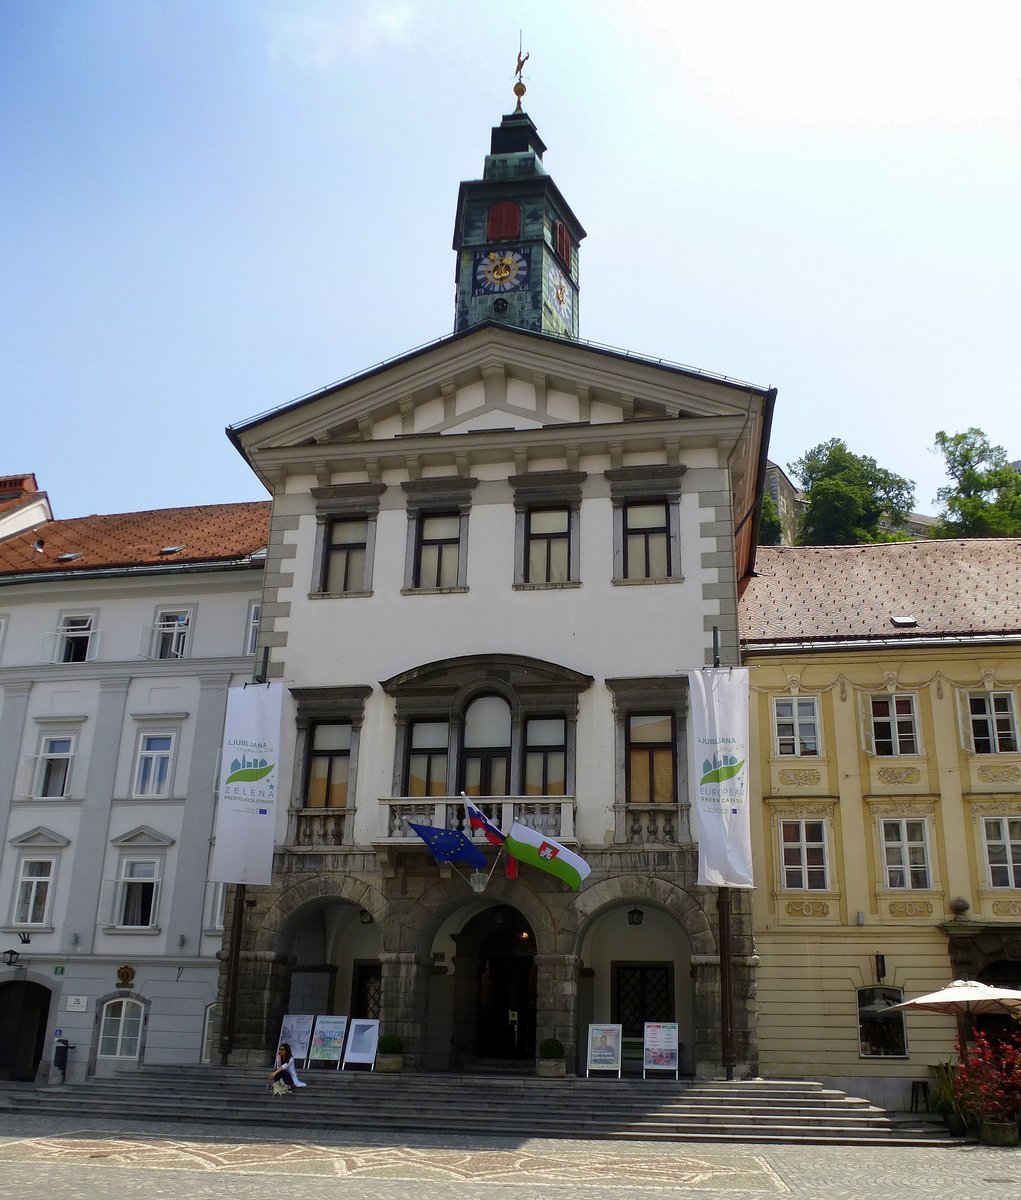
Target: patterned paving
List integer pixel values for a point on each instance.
(636, 1169)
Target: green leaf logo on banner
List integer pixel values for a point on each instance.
(250, 774)
(717, 771)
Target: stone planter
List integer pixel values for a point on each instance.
(956, 1125)
(390, 1064)
(551, 1068)
(998, 1131)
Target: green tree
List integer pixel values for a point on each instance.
(848, 496)
(984, 499)
(770, 525)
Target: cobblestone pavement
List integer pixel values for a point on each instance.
(42, 1156)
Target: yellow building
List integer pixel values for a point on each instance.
(886, 798)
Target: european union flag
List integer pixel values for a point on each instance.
(450, 846)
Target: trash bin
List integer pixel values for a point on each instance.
(60, 1051)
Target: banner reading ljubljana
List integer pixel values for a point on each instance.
(245, 826)
(719, 720)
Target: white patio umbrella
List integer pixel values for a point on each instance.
(966, 999)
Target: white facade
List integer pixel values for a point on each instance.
(410, 583)
(108, 750)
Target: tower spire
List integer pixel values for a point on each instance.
(515, 235)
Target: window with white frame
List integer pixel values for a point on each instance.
(33, 893)
(646, 523)
(74, 641)
(993, 724)
(803, 855)
(905, 852)
(216, 906)
(136, 897)
(120, 1029)
(796, 724)
(252, 629)
(1003, 851)
(894, 728)
(170, 633)
(54, 766)
(152, 770)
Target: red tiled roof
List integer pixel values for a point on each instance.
(965, 587)
(16, 490)
(207, 533)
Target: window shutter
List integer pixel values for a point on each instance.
(563, 244)
(503, 221)
(964, 721)
(868, 740)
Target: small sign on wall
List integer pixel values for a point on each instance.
(58, 970)
(77, 1004)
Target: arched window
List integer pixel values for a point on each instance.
(121, 1029)
(880, 1025)
(487, 747)
(503, 221)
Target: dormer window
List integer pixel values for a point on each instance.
(503, 221)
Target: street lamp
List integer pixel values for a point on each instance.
(10, 957)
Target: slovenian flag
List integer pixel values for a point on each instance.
(477, 819)
(542, 852)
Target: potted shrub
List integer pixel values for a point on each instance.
(551, 1059)
(943, 1098)
(390, 1053)
(987, 1085)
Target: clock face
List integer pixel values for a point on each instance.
(561, 294)
(503, 270)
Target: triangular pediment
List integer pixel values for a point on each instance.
(40, 838)
(493, 378)
(142, 837)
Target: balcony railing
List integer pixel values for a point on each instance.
(318, 826)
(549, 815)
(652, 824)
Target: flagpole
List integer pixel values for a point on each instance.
(726, 946)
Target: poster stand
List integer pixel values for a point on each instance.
(362, 1038)
(604, 1049)
(328, 1040)
(296, 1031)
(660, 1048)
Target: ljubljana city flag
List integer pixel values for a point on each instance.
(719, 723)
(546, 854)
(245, 826)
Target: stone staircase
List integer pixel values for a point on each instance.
(761, 1111)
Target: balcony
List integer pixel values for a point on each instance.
(652, 824)
(319, 828)
(552, 816)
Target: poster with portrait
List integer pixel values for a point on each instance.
(328, 1040)
(362, 1036)
(296, 1031)
(604, 1049)
(660, 1050)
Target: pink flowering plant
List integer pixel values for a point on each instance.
(988, 1078)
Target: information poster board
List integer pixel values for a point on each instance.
(604, 1049)
(328, 1040)
(661, 1049)
(296, 1031)
(363, 1034)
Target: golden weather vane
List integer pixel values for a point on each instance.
(519, 87)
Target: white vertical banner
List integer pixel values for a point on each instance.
(245, 825)
(719, 721)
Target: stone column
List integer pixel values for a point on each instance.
(707, 1052)
(404, 996)
(263, 987)
(556, 1000)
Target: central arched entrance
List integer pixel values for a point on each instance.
(496, 983)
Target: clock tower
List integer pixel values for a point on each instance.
(516, 238)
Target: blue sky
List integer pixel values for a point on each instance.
(215, 206)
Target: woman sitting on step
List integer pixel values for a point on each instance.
(285, 1076)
